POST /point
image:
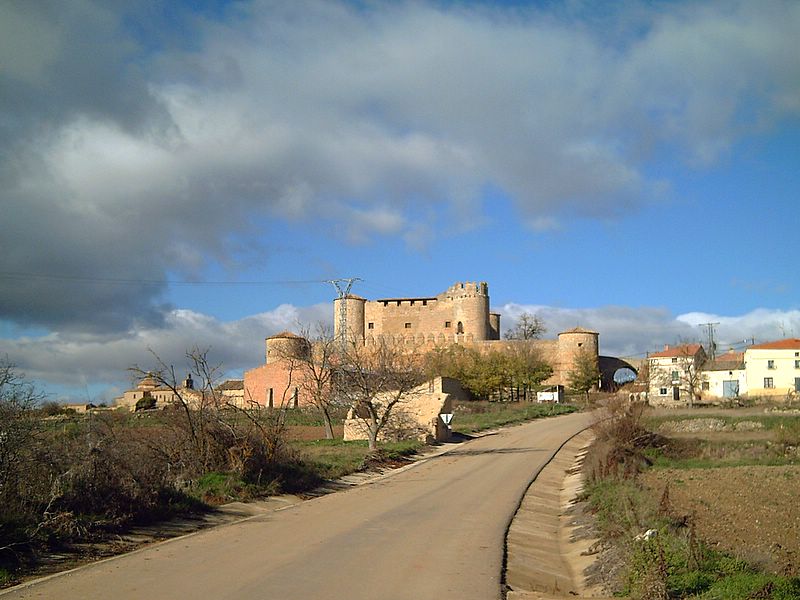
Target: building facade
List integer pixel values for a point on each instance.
(675, 375)
(459, 314)
(773, 368)
(279, 382)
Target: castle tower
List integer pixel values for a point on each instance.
(354, 307)
(470, 310)
(286, 345)
(494, 326)
(571, 344)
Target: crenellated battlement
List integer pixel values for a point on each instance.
(467, 289)
(459, 314)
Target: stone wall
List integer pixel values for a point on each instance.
(460, 314)
(416, 417)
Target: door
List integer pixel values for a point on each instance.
(676, 393)
(730, 388)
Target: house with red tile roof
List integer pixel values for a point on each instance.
(675, 375)
(773, 368)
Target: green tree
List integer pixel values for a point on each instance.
(584, 374)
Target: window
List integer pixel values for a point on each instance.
(424, 303)
(407, 325)
(797, 364)
(662, 391)
(447, 324)
(770, 364)
(674, 376)
(768, 383)
(706, 386)
(269, 398)
(674, 360)
(399, 302)
(370, 325)
(460, 327)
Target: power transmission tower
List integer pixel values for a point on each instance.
(343, 287)
(712, 346)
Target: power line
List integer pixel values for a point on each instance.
(16, 276)
(343, 287)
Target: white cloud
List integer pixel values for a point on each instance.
(72, 359)
(627, 331)
(384, 120)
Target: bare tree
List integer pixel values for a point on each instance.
(529, 327)
(313, 371)
(374, 381)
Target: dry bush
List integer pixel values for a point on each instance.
(620, 441)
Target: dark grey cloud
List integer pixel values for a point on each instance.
(136, 143)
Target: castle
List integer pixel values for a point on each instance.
(459, 315)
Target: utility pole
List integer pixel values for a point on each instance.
(343, 287)
(712, 346)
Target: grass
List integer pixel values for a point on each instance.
(471, 417)
(674, 563)
(332, 459)
(768, 422)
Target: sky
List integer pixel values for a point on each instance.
(181, 174)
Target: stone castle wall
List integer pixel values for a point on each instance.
(460, 314)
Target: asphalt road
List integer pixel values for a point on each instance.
(433, 531)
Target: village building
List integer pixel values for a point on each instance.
(279, 382)
(674, 375)
(724, 377)
(420, 415)
(682, 374)
(773, 368)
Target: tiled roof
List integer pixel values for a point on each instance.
(284, 334)
(787, 344)
(682, 350)
(231, 384)
(579, 330)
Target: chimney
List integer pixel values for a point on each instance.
(188, 382)
(666, 347)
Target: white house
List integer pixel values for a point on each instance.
(773, 368)
(724, 377)
(674, 375)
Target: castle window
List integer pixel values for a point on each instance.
(580, 344)
(370, 325)
(295, 398)
(425, 303)
(460, 327)
(447, 324)
(270, 399)
(408, 325)
(399, 302)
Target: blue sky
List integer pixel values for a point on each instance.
(175, 176)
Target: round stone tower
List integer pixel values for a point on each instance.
(354, 310)
(286, 345)
(470, 310)
(571, 344)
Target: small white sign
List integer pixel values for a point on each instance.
(446, 417)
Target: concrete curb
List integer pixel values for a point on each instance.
(541, 560)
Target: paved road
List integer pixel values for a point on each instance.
(432, 531)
